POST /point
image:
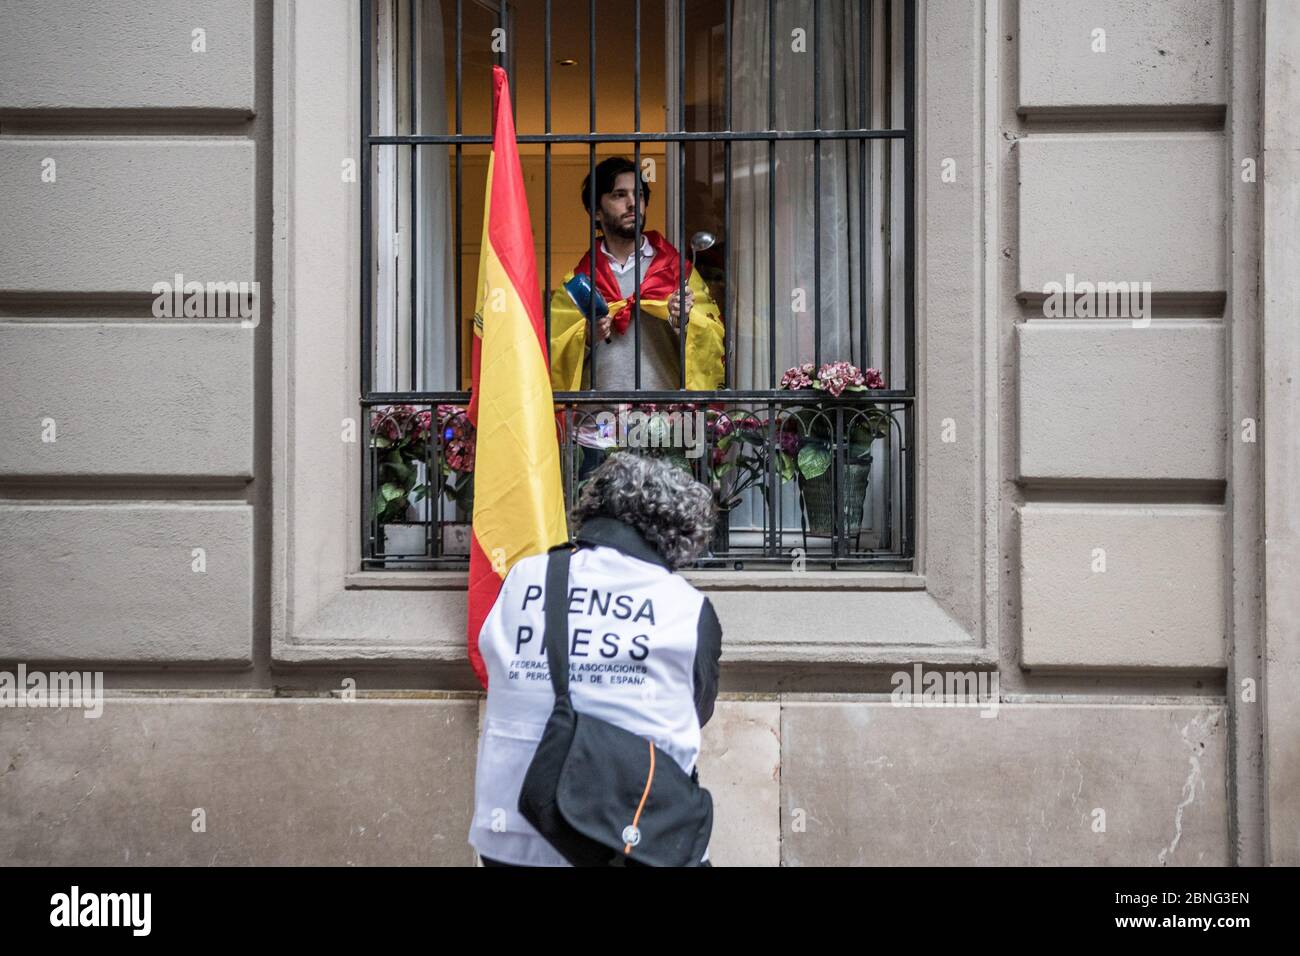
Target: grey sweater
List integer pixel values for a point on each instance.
(615, 363)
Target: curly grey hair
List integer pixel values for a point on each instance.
(672, 510)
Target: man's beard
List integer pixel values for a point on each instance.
(624, 229)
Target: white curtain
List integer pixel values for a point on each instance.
(416, 233)
(799, 283)
(436, 278)
(848, 169)
(414, 334)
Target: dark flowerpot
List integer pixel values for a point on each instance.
(818, 502)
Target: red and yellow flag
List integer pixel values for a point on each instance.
(518, 498)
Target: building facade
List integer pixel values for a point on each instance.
(1105, 538)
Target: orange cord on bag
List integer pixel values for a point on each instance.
(627, 848)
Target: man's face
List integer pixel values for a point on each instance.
(619, 208)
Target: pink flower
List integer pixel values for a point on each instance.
(458, 437)
(392, 422)
(835, 377)
(788, 440)
(422, 424)
(798, 377)
(460, 454)
(874, 378)
(382, 426)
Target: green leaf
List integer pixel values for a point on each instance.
(391, 492)
(785, 466)
(814, 460)
(873, 426)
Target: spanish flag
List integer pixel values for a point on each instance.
(518, 498)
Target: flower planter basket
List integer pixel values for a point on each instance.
(819, 504)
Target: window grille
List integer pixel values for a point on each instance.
(781, 129)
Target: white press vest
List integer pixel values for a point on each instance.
(632, 650)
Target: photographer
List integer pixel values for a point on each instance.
(644, 643)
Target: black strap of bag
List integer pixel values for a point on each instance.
(600, 794)
(557, 618)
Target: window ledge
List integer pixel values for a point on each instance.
(428, 624)
(704, 580)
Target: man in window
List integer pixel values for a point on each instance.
(659, 316)
(618, 209)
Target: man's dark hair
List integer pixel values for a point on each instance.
(607, 173)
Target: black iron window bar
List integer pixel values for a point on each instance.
(760, 421)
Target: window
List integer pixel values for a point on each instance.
(776, 137)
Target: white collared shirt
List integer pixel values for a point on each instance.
(647, 252)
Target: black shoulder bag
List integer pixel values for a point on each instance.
(599, 794)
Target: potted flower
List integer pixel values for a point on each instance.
(659, 431)
(736, 443)
(738, 461)
(810, 440)
(398, 435)
(405, 443)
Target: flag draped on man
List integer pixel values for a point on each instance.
(518, 499)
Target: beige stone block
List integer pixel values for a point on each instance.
(280, 782)
(1168, 53)
(101, 54)
(878, 785)
(121, 582)
(740, 764)
(1123, 207)
(123, 216)
(756, 628)
(1159, 603)
(1103, 399)
(127, 399)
